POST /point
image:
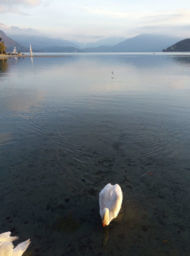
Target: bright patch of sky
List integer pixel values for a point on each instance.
(87, 20)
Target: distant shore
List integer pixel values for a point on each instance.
(3, 56)
(6, 56)
(10, 55)
(61, 54)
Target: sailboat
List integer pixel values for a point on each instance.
(31, 53)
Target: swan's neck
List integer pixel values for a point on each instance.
(106, 217)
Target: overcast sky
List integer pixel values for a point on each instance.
(88, 20)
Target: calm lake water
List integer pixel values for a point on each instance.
(71, 124)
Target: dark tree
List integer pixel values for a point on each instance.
(2, 47)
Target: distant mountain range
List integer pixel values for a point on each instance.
(140, 43)
(181, 46)
(43, 43)
(59, 49)
(145, 43)
(110, 41)
(10, 43)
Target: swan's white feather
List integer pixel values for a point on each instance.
(7, 247)
(6, 237)
(110, 197)
(21, 248)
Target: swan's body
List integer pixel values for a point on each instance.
(110, 201)
(7, 247)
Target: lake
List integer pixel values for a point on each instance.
(71, 124)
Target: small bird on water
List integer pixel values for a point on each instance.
(110, 201)
(7, 247)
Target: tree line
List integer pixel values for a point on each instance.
(2, 47)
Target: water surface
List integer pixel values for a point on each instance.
(71, 124)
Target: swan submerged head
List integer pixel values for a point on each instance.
(110, 201)
(105, 219)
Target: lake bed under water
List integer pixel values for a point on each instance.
(69, 125)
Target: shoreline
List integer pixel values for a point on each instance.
(3, 56)
(6, 56)
(61, 54)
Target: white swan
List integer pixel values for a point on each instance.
(110, 201)
(7, 247)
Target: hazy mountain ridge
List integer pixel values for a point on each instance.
(140, 43)
(60, 49)
(10, 43)
(109, 41)
(40, 43)
(181, 46)
(145, 43)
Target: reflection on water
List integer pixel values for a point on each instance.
(4, 138)
(183, 60)
(19, 100)
(32, 60)
(3, 67)
(71, 124)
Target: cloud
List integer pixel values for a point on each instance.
(113, 14)
(181, 31)
(86, 21)
(15, 30)
(106, 13)
(178, 17)
(172, 23)
(130, 23)
(150, 17)
(15, 5)
(19, 2)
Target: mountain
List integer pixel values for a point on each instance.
(102, 48)
(42, 43)
(10, 43)
(145, 43)
(60, 49)
(140, 43)
(181, 46)
(108, 41)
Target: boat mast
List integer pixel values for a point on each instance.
(31, 54)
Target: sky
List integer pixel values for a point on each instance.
(90, 20)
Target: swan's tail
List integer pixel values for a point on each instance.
(21, 248)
